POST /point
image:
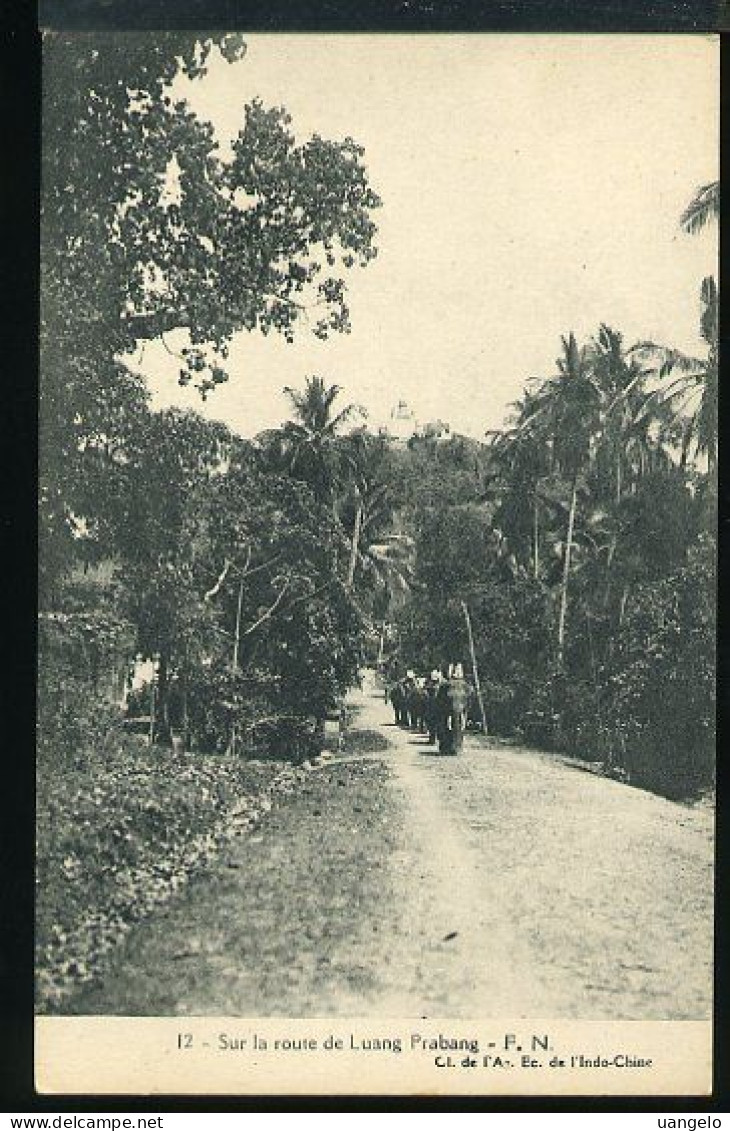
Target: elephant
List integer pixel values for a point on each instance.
(451, 706)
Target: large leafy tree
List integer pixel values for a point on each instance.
(157, 522)
(155, 231)
(287, 635)
(231, 578)
(146, 230)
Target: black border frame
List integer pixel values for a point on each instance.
(386, 15)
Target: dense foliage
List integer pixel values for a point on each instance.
(231, 579)
(147, 229)
(581, 540)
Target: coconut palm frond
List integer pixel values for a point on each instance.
(623, 395)
(297, 398)
(395, 575)
(663, 359)
(710, 311)
(342, 417)
(708, 290)
(328, 395)
(675, 359)
(666, 396)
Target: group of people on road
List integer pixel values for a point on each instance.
(441, 704)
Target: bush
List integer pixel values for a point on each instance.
(512, 628)
(660, 680)
(647, 712)
(81, 668)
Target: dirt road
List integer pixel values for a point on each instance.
(402, 883)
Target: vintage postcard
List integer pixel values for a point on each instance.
(378, 490)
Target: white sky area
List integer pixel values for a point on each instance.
(531, 185)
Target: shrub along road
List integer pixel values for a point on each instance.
(399, 882)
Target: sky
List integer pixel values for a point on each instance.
(531, 185)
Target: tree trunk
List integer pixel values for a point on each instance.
(354, 547)
(566, 572)
(381, 645)
(184, 708)
(535, 538)
(237, 632)
(622, 606)
(609, 563)
(151, 734)
(162, 728)
(234, 663)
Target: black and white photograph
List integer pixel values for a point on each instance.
(377, 545)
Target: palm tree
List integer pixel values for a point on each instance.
(702, 208)
(310, 436)
(569, 417)
(363, 461)
(631, 443)
(390, 563)
(561, 419)
(524, 455)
